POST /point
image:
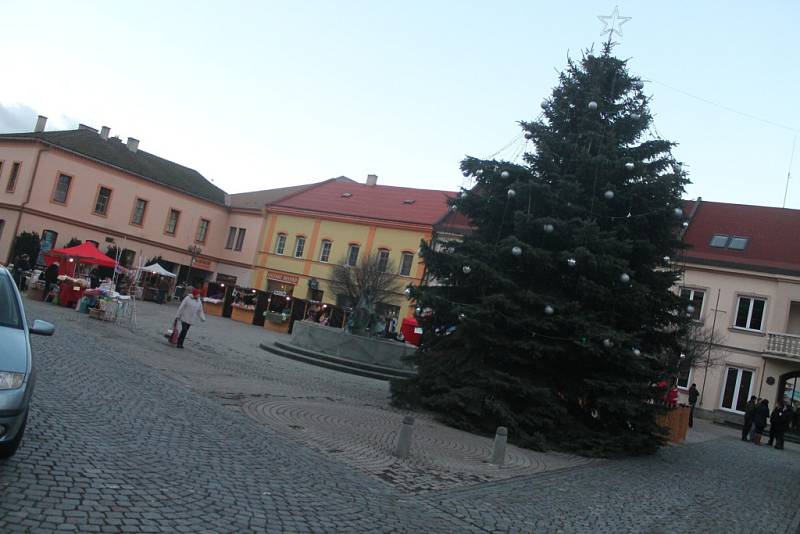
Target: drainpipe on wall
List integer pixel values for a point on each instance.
(27, 200)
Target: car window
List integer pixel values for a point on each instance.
(9, 310)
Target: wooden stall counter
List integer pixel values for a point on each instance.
(243, 315)
(213, 308)
(275, 322)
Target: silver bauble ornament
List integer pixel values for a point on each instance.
(636, 116)
(467, 269)
(629, 166)
(690, 309)
(463, 194)
(479, 172)
(528, 135)
(624, 278)
(516, 251)
(465, 173)
(592, 105)
(571, 262)
(504, 174)
(544, 104)
(607, 343)
(666, 259)
(418, 311)
(511, 193)
(637, 352)
(685, 224)
(461, 316)
(677, 168)
(548, 228)
(548, 310)
(678, 212)
(407, 291)
(609, 194)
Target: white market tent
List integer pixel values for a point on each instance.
(157, 269)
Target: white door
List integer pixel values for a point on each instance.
(738, 383)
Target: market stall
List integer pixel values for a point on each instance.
(73, 260)
(155, 283)
(243, 307)
(214, 300)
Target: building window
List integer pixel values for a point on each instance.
(750, 313)
(240, 239)
(352, 255)
(139, 207)
(684, 376)
(172, 221)
(325, 251)
(62, 188)
(12, 179)
(299, 245)
(719, 241)
(102, 201)
(383, 260)
(231, 238)
(202, 230)
(405, 263)
(126, 258)
(738, 383)
(695, 298)
(731, 242)
(280, 244)
(737, 243)
(2, 227)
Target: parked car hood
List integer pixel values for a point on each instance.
(14, 352)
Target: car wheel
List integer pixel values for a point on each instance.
(8, 449)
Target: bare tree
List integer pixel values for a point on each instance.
(370, 282)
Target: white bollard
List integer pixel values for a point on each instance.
(499, 451)
(404, 438)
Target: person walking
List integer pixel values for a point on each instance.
(749, 411)
(50, 279)
(760, 417)
(693, 395)
(189, 312)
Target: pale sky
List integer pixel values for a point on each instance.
(257, 95)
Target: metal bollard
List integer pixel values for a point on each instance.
(499, 451)
(404, 438)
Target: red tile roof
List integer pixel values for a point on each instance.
(772, 236)
(379, 202)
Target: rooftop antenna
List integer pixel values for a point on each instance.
(789, 174)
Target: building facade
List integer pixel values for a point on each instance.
(742, 275)
(341, 221)
(87, 185)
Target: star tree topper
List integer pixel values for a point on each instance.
(613, 23)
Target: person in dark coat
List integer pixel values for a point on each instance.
(163, 289)
(749, 411)
(760, 417)
(94, 278)
(50, 278)
(780, 425)
(693, 395)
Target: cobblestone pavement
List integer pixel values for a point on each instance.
(129, 435)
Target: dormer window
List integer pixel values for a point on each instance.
(347, 195)
(409, 201)
(729, 242)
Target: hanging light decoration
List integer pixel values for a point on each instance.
(678, 212)
(592, 105)
(516, 251)
(685, 224)
(511, 193)
(466, 269)
(479, 172)
(624, 278)
(571, 262)
(548, 228)
(629, 166)
(461, 316)
(609, 195)
(637, 352)
(504, 174)
(548, 310)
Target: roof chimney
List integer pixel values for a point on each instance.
(104, 132)
(372, 179)
(133, 144)
(40, 122)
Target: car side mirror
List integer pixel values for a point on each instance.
(42, 328)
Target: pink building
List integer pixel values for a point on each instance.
(87, 185)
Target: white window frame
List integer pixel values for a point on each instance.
(692, 291)
(383, 259)
(231, 238)
(299, 246)
(240, 239)
(688, 380)
(736, 386)
(752, 299)
(325, 255)
(280, 244)
(350, 253)
(403, 257)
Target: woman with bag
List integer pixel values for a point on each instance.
(189, 312)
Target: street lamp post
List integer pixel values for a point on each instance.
(194, 252)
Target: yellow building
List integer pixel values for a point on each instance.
(338, 221)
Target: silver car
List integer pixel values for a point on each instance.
(16, 365)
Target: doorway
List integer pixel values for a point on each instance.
(738, 383)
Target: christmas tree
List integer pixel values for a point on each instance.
(556, 318)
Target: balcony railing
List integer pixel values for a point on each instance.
(784, 344)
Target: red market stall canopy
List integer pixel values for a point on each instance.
(84, 253)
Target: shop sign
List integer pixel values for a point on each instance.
(199, 262)
(279, 293)
(283, 277)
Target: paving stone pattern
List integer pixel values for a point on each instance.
(129, 435)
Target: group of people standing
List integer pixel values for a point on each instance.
(756, 416)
